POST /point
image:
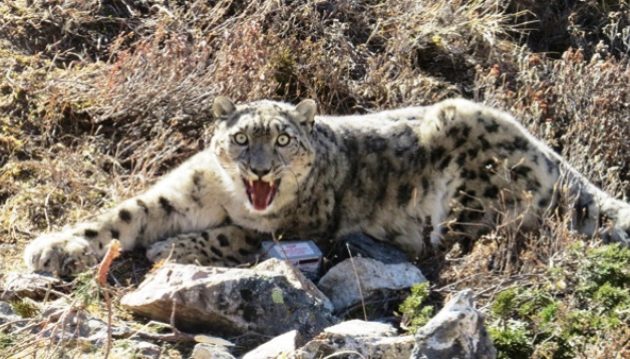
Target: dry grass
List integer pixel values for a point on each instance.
(578, 105)
(99, 98)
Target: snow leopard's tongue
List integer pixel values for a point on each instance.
(261, 193)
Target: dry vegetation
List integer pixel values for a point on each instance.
(99, 97)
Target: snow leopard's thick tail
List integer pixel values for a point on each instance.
(594, 211)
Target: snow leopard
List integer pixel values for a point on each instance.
(418, 178)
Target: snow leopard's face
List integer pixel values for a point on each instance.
(265, 150)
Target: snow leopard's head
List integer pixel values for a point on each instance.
(265, 150)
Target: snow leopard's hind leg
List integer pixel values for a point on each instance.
(497, 170)
(227, 245)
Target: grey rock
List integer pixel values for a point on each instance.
(7, 314)
(68, 323)
(295, 277)
(28, 285)
(340, 283)
(130, 348)
(229, 301)
(362, 329)
(147, 350)
(281, 345)
(357, 339)
(210, 351)
(5, 309)
(457, 331)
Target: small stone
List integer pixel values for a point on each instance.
(210, 351)
(340, 283)
(7, 314)
(281, 345)
(147, 350)
(457, 331)
(28, 285)
(129, 348)
(361, 328)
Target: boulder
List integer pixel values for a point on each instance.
(457, 331)
(29, 285)
(357, 339)
(210, 351)
(340, 283)
(277, 347)
(229, 301)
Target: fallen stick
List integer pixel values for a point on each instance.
(113, 251)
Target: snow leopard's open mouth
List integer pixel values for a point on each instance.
(261, 193)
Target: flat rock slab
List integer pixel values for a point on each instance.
(457, 331)
(357, 339)
(29, 285)
(277, 347)
(340, 284)
(228, 301)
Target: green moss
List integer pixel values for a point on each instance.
(25, 308)
(512, 341)
(558, 322)
(549, 312)
(86, 289)
(414, 309)
(611, 297)
(586, 323)
(6, 341)
(531, 302)
(504, 304)
(608, 264)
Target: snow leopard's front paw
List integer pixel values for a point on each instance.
(619, 229)
(61, 254)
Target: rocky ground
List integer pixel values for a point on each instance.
(99, 98)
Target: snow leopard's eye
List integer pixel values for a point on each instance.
(240, 138)
(283, 140)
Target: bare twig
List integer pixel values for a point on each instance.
(356, 276)
(113, 251)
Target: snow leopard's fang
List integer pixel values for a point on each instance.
(261, 193)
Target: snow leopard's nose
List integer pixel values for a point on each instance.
(261, 172)
(260, 160)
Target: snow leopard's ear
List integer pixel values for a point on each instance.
(307, 109)
(222, 107)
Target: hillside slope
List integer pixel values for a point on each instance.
(100, 97)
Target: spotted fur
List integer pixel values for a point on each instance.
(417, 177)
